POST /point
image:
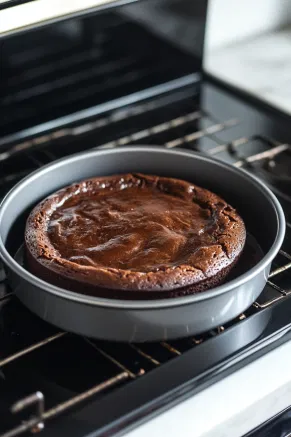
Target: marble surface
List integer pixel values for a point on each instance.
(233, 406)
(260, 66)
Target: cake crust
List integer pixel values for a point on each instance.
(133, 236)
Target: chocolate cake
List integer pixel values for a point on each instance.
(133, 236)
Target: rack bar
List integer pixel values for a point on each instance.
(31, 348)
(40, 419)
(110, 358)
(145, 355)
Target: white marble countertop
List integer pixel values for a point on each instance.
(260, 66)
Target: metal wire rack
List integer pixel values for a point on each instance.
(194, 130)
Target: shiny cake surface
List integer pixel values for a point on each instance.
(134, 232)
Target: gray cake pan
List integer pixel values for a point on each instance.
(143, 320)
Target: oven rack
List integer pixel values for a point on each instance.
(42, 149)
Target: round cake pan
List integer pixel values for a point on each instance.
(143, 320)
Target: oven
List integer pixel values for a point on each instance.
(110, 75)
